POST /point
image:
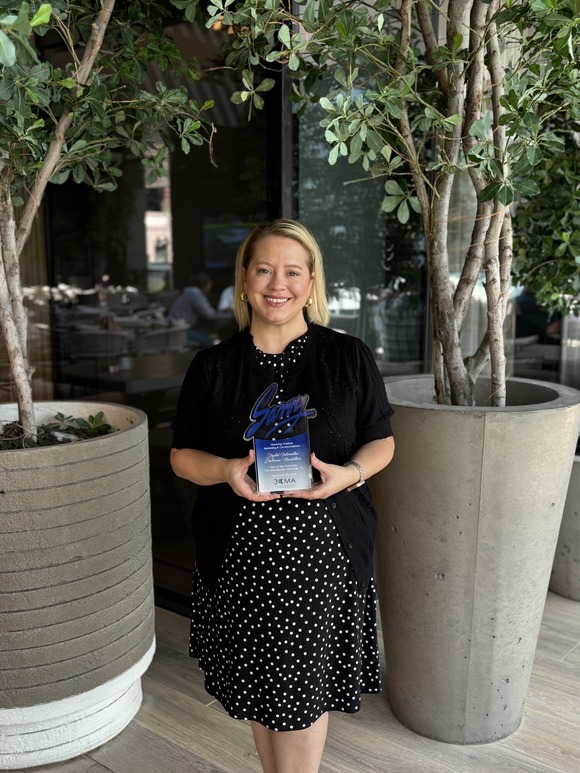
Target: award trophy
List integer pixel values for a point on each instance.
(281, 442)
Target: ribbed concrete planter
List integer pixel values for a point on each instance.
(565, 578)
(469, 514)
(76, 590)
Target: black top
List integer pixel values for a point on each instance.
(339, 374)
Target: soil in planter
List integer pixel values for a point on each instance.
(12, 436)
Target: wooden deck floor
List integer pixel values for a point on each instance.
(179, 729)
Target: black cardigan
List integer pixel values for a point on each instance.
(339, 374)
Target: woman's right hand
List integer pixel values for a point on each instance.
(241, 483)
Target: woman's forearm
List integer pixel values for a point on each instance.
(373, 456)
(199, 466)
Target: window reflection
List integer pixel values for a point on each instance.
(374, 265)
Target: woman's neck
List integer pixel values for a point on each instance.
(274, 340)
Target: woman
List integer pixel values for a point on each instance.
(283, 620)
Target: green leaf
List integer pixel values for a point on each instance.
(42, 16)
(505, 195)
(553, 141)
(532, 122)
(527, 187)
(490, 191)
(327, 105)
(340, 77)
(496, 167)
(374, 141)
(390, 203)
(6, 89)
(393, 188)
(266, 85)
(60, 177)
(309, 15)
(7, 50)
(415, 204)
(534, 155)
(284, 35)
(403, 213)
(248, 79)
(79, 173)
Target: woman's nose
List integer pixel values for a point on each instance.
(277, 279)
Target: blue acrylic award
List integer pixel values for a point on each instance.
(281, 442)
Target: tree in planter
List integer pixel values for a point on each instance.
(73, 112)
(420, 94)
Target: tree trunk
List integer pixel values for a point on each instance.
(12, 238)
(13, 322)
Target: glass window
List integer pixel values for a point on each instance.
(374, 265)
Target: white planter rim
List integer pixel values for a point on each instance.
(530, 395)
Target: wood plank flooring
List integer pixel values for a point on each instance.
(180, 729)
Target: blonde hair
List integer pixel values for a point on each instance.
(290, 229)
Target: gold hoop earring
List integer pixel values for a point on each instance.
(308, 303)
(244, 296)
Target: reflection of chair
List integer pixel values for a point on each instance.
(166, 339)
(99, 344)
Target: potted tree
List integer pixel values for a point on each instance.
(77, 598)
(432, 98)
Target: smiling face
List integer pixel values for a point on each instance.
(278, 282)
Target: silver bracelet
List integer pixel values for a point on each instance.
(361, 474)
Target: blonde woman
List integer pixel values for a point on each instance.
(283, 617)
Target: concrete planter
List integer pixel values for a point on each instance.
(469, 514)
(76, 589)
(565, 578)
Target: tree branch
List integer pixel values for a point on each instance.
(404, 124)
(53, 153)
(430, 41)
(475, 71)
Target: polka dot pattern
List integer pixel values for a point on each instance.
(286, 633)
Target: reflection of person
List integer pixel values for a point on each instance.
(532, 319)
(226, 301)
(193, 306)
(283, 619)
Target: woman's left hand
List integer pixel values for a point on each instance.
(333, 478)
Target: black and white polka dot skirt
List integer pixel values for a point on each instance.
(286, 633)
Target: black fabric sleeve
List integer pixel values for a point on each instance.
(373, 408)
(189, 428)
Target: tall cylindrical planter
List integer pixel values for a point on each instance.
(76, 589)
(469, 514)
(565, 578)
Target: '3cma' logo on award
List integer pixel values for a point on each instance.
(284, 418)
